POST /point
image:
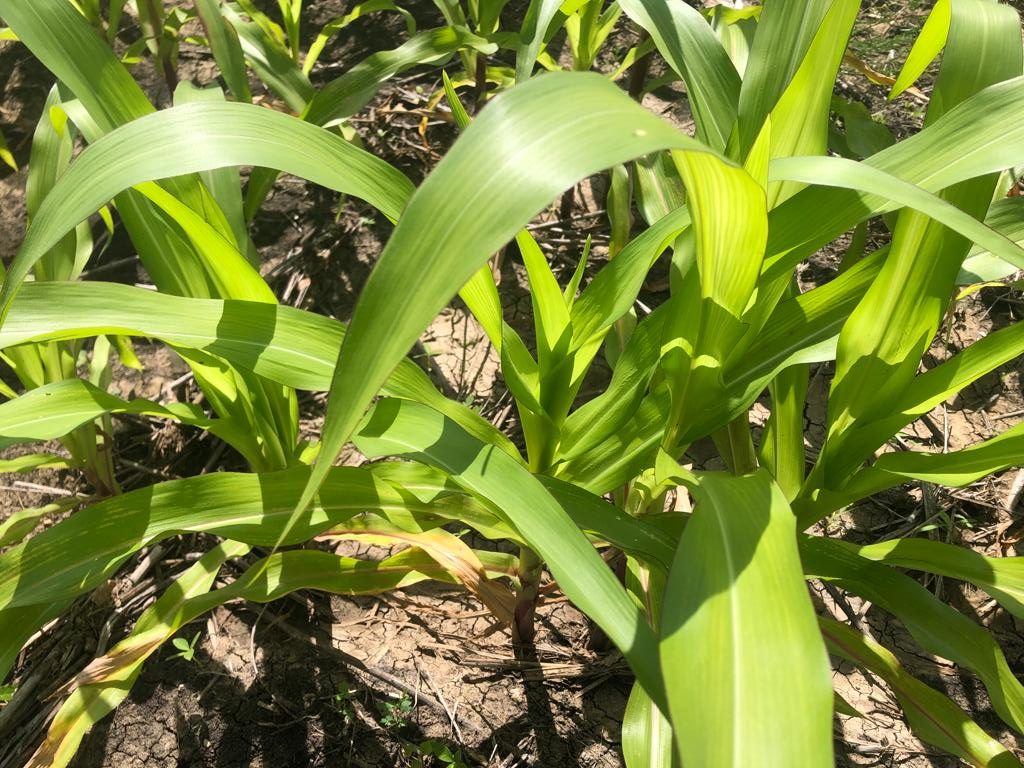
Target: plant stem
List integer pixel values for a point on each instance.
(481, 82)
(638, 72)
(530, 568)
(736, 445)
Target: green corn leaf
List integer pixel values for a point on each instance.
(972, 139)
(270, 60)
(66, 45)
(874, 362)
(731, 227)
(20, 524)
(625, 453)
(401, 428)
(838, 171)
(76, 555)
(843, 707)
(553, 326)
(798, 119)
(52, 411)
(20, 624)
(605, 521)
(597, 419)
(646, 734)
(659, 190)
(521, 372)
(573, 287)
(6, 155)
(551, 316)
(981, 266)
(231, 273)
(52, 144)
(225, 184)
(735, 597)
(618, 203)
(105, 683)
(539, 16)
(334, 27)
(862, 135)
(803, 329)
(613, 290)
(685, 39)
(929, 389)
(457, 218)
(954, 469)
(933, 716)
(31, 461)
(225, 48)
(109, 97)
(782, 442)
(935, 626)
(282, 344)
(785, 32)
(199, 137)
(459, 113)
(352, 91)
(929, 42)
(1001, 577)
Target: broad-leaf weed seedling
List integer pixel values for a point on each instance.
(433, 753)
(186, 648)
(396, 714)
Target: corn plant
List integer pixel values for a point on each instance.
(714, 616)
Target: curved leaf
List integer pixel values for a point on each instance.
(745, 669)
(198, 137)
(1001, 577)
(352, 91)
(402, 428)
(467, 209)
(685, 39)
(934, 717)
(280, 343)
(841, 172)
(935, 626)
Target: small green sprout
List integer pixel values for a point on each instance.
(442, 754)
(342, 701)
(186, 648)
(395, 714)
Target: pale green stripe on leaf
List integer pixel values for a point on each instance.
(745, 668)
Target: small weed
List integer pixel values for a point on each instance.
(6, 693)
(342, 701)
(186, 648)
(442, 755)
(395, 714)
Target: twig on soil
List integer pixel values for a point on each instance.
(434, 370)
(130, 591)
(1013, 496)
(24, 485)
(1010, 415)
(169, 387)
(252, 642)
(148, 470)
(325, 646)
(90, 273)
(215, 456)
(559, 222)
(437, 692)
